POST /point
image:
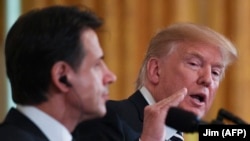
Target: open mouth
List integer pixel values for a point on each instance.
(200, 98)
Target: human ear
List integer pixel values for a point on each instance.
(153, 70)
(60, 70)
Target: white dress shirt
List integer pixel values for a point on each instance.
(146, 94)
(52, 129)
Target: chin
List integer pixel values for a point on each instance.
(102, 112)
(198, 112)
(96, 113)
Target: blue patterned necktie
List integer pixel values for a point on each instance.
(176, 137)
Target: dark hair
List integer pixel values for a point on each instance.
(39, 39)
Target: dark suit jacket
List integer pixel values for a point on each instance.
(123, 122)
(17, 127)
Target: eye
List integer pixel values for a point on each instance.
(217, 73)
(98, 64)
(193, 63)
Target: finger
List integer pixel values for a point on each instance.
(174, 99)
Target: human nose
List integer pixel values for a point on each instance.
(110, 77)
(205, 77)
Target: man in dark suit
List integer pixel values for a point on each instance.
(57, 74)
(183, 67)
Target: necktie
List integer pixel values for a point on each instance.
(177, 137)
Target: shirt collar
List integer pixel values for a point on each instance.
(149, 98)
(53, 129)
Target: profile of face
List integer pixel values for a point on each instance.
(90, 82)
(198, 67)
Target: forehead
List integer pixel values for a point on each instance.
(204, 51)
(90, 42)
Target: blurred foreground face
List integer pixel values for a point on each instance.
(196, 66)
(90, 82)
